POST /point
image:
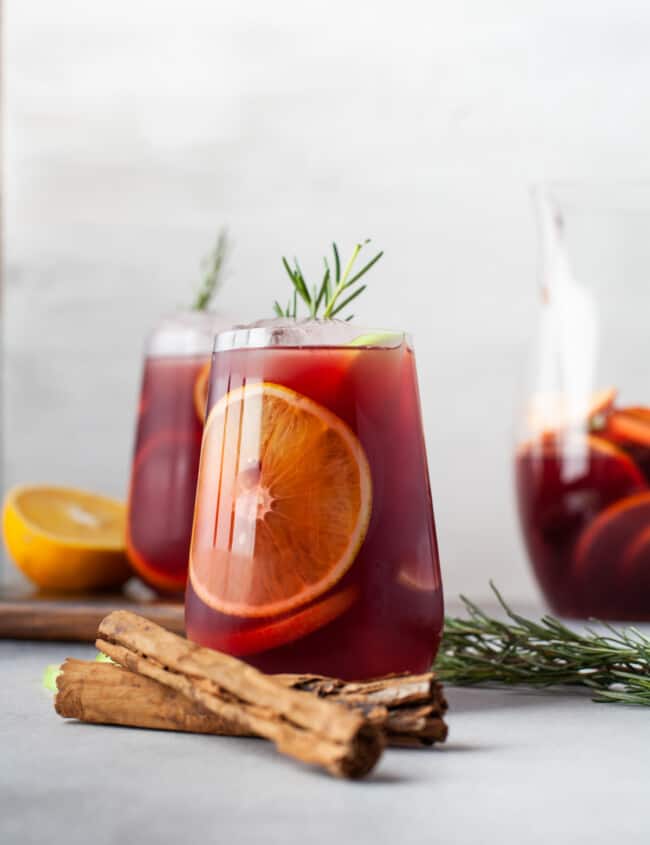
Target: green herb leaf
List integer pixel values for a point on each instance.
(370, 264)
(347, 301)
(337, 263)
(480, 649)
(323, 295)
(213, 272)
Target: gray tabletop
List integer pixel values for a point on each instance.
(518, 767)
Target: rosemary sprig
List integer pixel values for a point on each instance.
(614, 665)
(329, 294)
(212, 266)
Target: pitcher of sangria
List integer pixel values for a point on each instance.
(313, 546)
(583, 450)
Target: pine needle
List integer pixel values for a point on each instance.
(480, 649)
(212, 267)
(324, 300)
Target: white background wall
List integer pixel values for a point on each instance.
(133, 129)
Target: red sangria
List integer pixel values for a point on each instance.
(167, 448)
(314, 546)
(584, 501)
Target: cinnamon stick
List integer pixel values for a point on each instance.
(414, 704)
(103, 693)
(302, 725)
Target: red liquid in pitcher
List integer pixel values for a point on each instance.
(356, 415)
(164, 471)
(584, 502)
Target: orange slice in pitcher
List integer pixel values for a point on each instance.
(637, 555)
(283, 502)
(604, 543)
(201, 391)
(630, 425)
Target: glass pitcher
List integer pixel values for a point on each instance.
(314, 547)
(167, 446)
(582, 461)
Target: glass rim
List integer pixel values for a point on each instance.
(286, 337)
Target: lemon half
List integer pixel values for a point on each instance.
(65, 539)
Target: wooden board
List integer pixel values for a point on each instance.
(26, 614)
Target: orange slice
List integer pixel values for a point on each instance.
(287, 630)
(564, 449)
(201, 391)
(161, 507)
(553, 411)
(604, 541)
(637, 555)
(283, 502)
(630, 425)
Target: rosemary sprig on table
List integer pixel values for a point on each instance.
(212, 266)
(614, 665)
(328, 295)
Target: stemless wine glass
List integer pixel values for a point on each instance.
(314, 547)
(167, 446)
(583, 455)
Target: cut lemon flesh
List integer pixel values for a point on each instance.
(65, 539)
(283, 502)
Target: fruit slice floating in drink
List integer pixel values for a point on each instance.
(291, 471)
(200, 392)
(157, 546)
(279, 632)
(605, 540)
(585, 510)
(163, 473)
(630, 426)
(576, 478)
(636, 558)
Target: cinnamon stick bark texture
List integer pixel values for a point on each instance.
(302, 725)
(103, 693)
(414, 705)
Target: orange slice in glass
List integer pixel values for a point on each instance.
(161, 506)
(201, 391)
(283, 502)
(305, 621)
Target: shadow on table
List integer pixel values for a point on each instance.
(471, 699)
